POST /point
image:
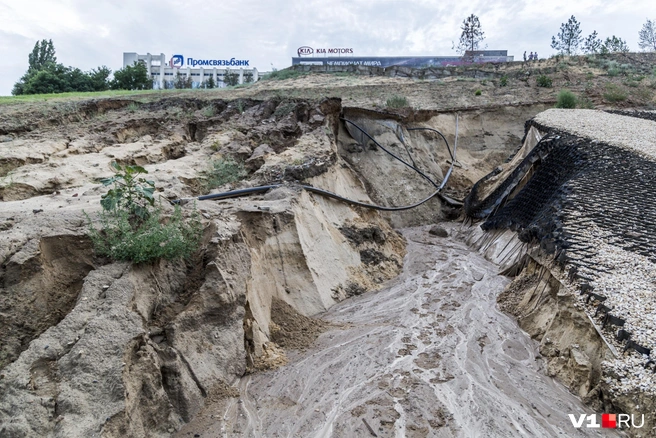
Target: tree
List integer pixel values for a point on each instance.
(614, 44)
(569, 37)
(471, 35)
(182, 81)
(47, 81)
(132, 77)
(647, 36)
(45, 75)
(42, 55)
(592, 44)
(99, 78)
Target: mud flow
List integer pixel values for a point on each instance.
(428, 355)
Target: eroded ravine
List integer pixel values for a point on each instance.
(429, 355)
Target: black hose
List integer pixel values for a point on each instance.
(435, 130)
(238, 193)
(391, 154)
(362, 204)
(318, 191)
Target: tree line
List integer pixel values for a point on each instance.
(46, 76)
(568, 40)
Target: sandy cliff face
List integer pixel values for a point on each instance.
(92, 347)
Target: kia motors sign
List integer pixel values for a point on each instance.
(306, 51)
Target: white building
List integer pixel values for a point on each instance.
(160, 69)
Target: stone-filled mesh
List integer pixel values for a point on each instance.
(647, 115)
(576, 183)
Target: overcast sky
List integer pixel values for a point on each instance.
(90, 33)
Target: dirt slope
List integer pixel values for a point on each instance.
(95, 348)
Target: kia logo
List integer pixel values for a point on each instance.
(305, 50)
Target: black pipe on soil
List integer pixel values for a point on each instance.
(322, 192)
(441, 135)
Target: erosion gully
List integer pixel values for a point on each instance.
(428, 355)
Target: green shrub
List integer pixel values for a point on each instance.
(120, 239)
(133, 229)
(614, 93)
(397, 102)
(503, 81)
(613, 71)
(566, 99)
(478, 92)
(130, 193)
(223, 171)
(209, 111)
(544, 81)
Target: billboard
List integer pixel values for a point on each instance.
(308, 56)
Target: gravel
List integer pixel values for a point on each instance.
(630, 287)
(629, 280)
(632, 133)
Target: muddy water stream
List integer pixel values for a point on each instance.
(429, 355)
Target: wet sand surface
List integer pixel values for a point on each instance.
(429, 355)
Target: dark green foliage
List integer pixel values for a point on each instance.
(132, 229)
(569, 37)
(503, 82)
(132, 77)
(614, 44)
(44, 75)
(478, 92)
(43, 55)
(154, 238)
(131, 193)
(566, 99)
(544, 81)
(592, 44)
(210, 83)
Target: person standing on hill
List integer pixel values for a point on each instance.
(524, 55)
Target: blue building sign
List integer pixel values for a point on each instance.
(179, 61)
